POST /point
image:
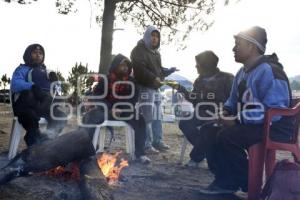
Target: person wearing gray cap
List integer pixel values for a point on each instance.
(259, 85)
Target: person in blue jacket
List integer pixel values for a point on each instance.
(31, 98)
(259, 85)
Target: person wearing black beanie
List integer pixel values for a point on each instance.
(207, 62)
(212, 86)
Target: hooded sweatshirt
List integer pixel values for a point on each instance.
(125, 90)
(25, 75)
(146, 61)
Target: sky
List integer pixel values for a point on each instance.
(68, 39)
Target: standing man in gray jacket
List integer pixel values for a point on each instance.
(149, 73)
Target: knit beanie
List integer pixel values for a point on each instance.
(256, 35)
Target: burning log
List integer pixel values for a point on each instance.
(62, 150)
(70, 147)
(93, 183)
(73, 146)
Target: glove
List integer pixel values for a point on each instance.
(44, 100)
(173, 69)
(38, 93)
(53, 76)
(169, 71)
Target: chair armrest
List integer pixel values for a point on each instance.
(271, 112)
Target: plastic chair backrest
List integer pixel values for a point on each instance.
(11, 100)
(296, 104)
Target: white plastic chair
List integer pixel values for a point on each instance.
(17, 131)
(99, 136)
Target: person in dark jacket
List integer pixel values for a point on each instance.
(259, 85)
(211, 86)
(118, 98)
(149, 73)
(31, 98)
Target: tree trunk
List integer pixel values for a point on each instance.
(93, 184)
(107, 35)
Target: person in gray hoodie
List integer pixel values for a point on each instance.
(149, 73)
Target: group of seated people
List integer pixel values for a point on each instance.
(228, 116)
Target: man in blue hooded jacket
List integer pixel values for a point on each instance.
(149, 73)
(259, 85)
(31, 98)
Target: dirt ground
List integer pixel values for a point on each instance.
(163, 179)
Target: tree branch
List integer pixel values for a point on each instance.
(179, 5)
(133, 3)
(118, 1)
(157, 14)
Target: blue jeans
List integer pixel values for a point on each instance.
(152, 113)
(153, 133)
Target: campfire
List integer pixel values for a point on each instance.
(71, 172)
(106, 162)
(108, 165)
(77, 161)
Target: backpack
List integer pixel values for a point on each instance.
(284, 183)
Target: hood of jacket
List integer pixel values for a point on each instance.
(118, 59)
(27, 54)
(147, 37)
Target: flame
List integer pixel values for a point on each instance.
(107, 164)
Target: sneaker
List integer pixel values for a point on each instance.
(192, 164)
(214, 189)
(144, 160)
(151, 150)
(161, 146)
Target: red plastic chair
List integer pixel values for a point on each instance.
(264, 153)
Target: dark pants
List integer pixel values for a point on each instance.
(29, 111)
(96, 116)
(192, 131)
(227, 156)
